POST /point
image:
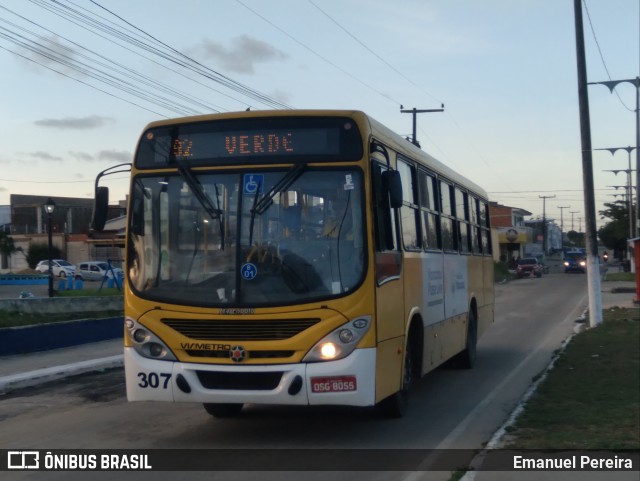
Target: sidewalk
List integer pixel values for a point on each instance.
(618, 293)
(26, 370)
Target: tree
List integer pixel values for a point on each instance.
(7, 247)
(614, 234)
(40, 252)
(576, 238)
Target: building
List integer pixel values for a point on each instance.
(70, 229)
(547, 236)
(510, 234)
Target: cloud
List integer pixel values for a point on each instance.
(243, 54)
(42, 155)
(112, 155)
(282, 96)
(75, 123)
(82, 156)
(102, 156)
(50, 52)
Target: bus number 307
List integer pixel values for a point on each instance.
(153, 380)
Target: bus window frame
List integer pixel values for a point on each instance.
(413, 203)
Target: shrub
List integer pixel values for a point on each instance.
(40, 252)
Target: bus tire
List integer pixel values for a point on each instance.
(395, 406)
(223, 410)
(467, 358)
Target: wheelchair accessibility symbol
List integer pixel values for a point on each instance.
(253, 184)
(248, 271)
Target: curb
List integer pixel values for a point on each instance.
(498, 436)
(39, 376)
(44, 337)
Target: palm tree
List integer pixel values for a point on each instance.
(7, 247)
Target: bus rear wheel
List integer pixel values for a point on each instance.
(223, 410)
(467, 358)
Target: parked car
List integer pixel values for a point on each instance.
(528, 266)
(97, 270)
(59, 268)
(575, 262)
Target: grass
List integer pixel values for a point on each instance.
(15, 319)
(620, 276)
(501, 272)
(105, 291)
(591, 398)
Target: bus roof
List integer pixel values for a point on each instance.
(376, 129)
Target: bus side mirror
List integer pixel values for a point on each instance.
(100, 209)
(393, 183)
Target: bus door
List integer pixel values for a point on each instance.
(390, 322)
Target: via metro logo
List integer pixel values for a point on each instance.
(23, 460)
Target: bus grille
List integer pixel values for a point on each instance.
(224, 354)
(240, 330)
(248, 381)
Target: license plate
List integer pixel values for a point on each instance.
(333, 384)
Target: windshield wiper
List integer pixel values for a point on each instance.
(261, 205)
(205, 201)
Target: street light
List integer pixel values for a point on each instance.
(49, 207)
(611, 85)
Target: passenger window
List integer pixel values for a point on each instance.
(410, 217)
(445, 198)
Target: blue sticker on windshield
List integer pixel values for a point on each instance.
(253, 184)
(248, 271)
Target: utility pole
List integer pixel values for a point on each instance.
(632, 218)
(544, 221)
(611, 85)
(562, 208)
(415, 112)
(572, 225)
(628, 198)
(591, 239)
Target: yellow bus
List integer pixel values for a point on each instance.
(298, 258)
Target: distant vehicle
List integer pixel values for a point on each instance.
(59, 268)
(528, 266)
(575, 262)
(97, 270)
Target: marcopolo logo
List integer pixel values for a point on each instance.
(23, 460)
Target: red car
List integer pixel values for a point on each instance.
(528, 266)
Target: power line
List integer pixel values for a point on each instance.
(593, 31)
(219, 77)
(321, 57)
(115, 74)
(372, 52)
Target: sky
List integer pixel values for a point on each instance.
(81, 79)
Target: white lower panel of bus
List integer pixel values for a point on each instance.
(348, 382)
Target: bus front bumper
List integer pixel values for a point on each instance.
(348, 382)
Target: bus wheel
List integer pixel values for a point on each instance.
(467, 358)
(395, 406)
(223, 410)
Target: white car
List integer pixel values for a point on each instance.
(59, 267)
(97, 270)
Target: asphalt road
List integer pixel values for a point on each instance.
(449, 408)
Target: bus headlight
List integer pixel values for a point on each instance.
(340, 342)
(146, 343)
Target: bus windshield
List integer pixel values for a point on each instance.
(257, 238)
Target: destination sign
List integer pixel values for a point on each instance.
(209, 143)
